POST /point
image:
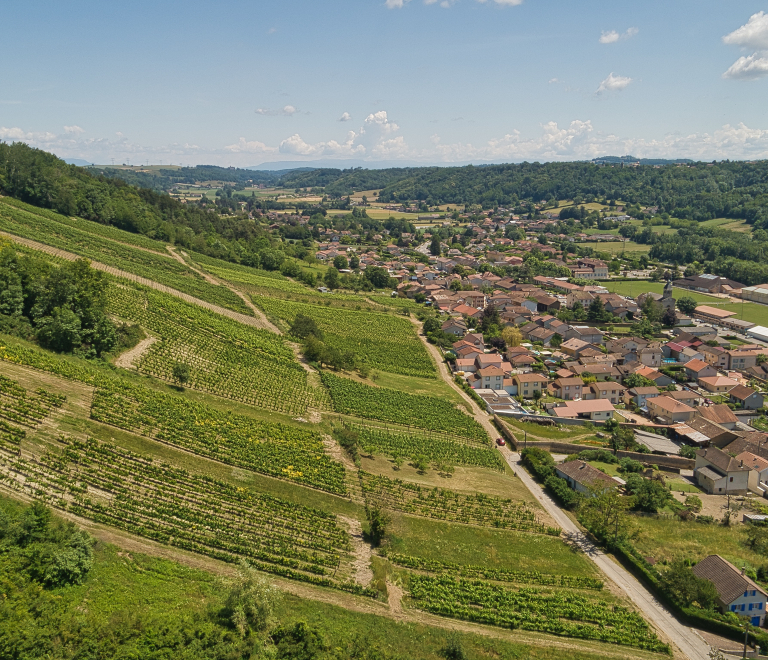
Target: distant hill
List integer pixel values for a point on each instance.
(77, 161)
(615, 160)
(346, 164)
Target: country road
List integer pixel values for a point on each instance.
(686, 639)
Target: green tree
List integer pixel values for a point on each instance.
(556, 341)
(636, 380)
(302, 326)
(252, 600)
(340, 262)
(687, 305)
(596, 311)
(181, 372)
(434, 246)
(332, 280)
(377, 524)
(687, 589)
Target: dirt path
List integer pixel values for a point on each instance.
(686, 639)
(265, 324)
(128, 359)
(256, 322)
(395, 598)
(335, 451)
(361, 566)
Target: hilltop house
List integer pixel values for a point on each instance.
(584, 478)
(720, 474)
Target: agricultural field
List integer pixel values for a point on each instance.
(352, 398)
(226, 358)
(451, 506)
(151, 265)
(558, 612)
(383, 341)
(617, 247)
(104, 483)
(278, 450)
(440, 450)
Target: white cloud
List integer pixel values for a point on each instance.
(508, 3)
(748, 68)
(613, 83)
(345, 117)
(286, 111)
(753, 34)
(611, 36)
(32, 137)
(243, 146)
(381, 121)
(395, 4)
(73, 130)
(272, 30)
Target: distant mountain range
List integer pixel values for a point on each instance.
(615, 160)
(77, 161)
(346, 164)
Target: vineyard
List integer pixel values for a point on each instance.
(157, 267)
(20, 408)
(274, 449)
(436, 448)
(450, 506)
(427, 412)
(557, 612)
(496, 574)
(225, 358)
(381, 340)
(128, 491)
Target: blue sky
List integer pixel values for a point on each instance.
(435, 81)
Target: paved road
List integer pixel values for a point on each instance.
(686, 639)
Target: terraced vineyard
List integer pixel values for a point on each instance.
(554, 611)
(383, 341)
(30, 223)
(131, 492)
(21, 409)
(496, 574)
(435, 448)
(275, 449)
(427, 412)
(225, 357)
(450, 506)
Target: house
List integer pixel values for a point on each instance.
(659, 379)
(670, 410)
(573, 347)
(688, 397)
(696, 369)
(651, 355)
(755, 463)
(719, 473)
(568, 388)
(467, 366)
(715, 356)
(489, 360)
(746, 397)
(583, 478)
(489, 378)
(529, 384)
(639, 395)
(586, 333)
(712, 314)
(455, 327)
(741, 360)
(609, 390)
(595, 410)
(599, 371)
(537, 333)
(707, 284)
(718, 384)
(736, 592)
(719, 414)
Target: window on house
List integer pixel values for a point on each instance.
(731, 479)
(743, 607)
(754, 593)
(733, 608)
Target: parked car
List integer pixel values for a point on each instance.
(500, 442)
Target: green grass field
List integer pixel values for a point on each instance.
(614, 248)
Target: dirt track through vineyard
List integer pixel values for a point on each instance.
(255, 322)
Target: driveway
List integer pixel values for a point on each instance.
(686, 639)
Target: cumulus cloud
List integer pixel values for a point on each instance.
(243, 146)
(395, 4)
(285, 111)
(748, 68)
(612, 36)
(73, 130)
(753, 35)
(345, 117)
(613, 83)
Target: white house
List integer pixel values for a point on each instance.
(720, 474)
(737, 593)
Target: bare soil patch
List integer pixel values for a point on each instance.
(131, 357)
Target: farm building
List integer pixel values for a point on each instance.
(757, 293)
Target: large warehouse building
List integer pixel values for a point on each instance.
(757, 293)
